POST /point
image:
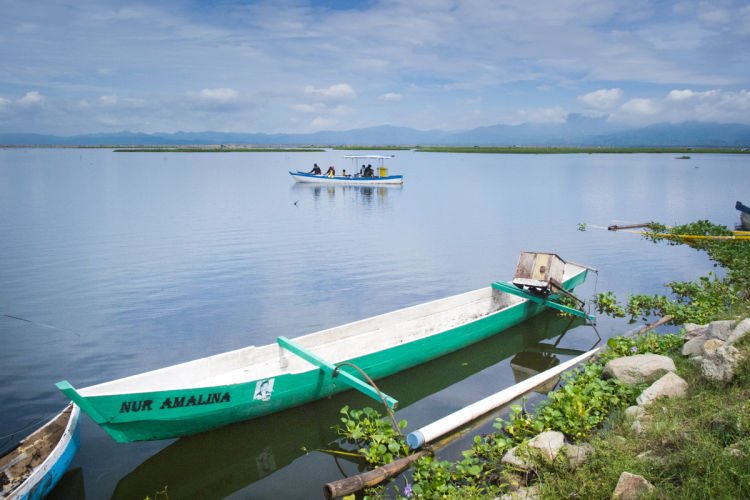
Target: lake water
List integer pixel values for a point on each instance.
(116, 263)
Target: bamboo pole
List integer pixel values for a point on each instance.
(370, 478)
(615, 227)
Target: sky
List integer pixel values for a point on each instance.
(85, 66)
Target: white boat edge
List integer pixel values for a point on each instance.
(352, 181)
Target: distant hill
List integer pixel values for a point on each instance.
(577, 130)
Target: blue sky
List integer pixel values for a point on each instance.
(71, 67)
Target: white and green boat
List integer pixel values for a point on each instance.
(210, 392)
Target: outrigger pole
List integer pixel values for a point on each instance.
(330, 368)
(514, 290)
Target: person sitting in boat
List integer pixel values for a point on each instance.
(343, 173)
(362, 170)
(331, 171)
(315, 170)
(368, 171)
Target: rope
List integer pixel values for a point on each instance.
(372, 383)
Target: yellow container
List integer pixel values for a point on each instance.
(382, 172)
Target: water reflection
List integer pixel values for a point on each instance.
(218, 463)
(361, 195)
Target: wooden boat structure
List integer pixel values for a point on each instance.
(33, 468)
(744, 214)
(247, 383)
(379, 176)
(235, 457)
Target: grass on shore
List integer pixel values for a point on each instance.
(697, 447)
(575, 150)
(217, 150)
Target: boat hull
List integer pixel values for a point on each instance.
(172, 413)
(744, 214)
(349, 181)
(46, 475)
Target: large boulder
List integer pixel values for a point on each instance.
(720, 365)
(692, 330)
(639, 368)
(720, 329)
(670, 385)
(742, 329)
(694, 346)
(631, 487)
(549, 443)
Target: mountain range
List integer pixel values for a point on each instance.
(577, 130)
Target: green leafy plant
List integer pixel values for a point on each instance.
(606, 303)
(379, 443)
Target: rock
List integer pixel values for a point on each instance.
(530, 493)
(742, 329)
(694, 346)
(692, 330)
(734, 451)
(670, 385)
(577, 454)
(639, 368)
(631, 486)
(549, 442)
(635, 412)
(720, 329)
(720, 366)
(637, 426)
(710, 346)
(511, 458)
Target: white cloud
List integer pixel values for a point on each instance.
(320, 123)
(108, 100)
(640, 106)
(219, 95)
(602, 99)
(390, 97)
(337, 92)
(32, 98)
(687, 94)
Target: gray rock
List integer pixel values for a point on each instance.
(710, 346)
(691, 330)
(720, 366)
(720, 329)
(530, 493)
(577, 454)
(631, 487)
(549, 442)
(670, 385)
(511, 458)
(694, 346)
(635, 412)
(639, 368)
(742, 329)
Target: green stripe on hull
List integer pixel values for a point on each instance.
(169, 414)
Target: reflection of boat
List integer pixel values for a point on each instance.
(360, 177)
(744, 214)
(34, 467)
(218, 463)
(255, 381)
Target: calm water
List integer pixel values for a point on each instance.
(116, 263)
